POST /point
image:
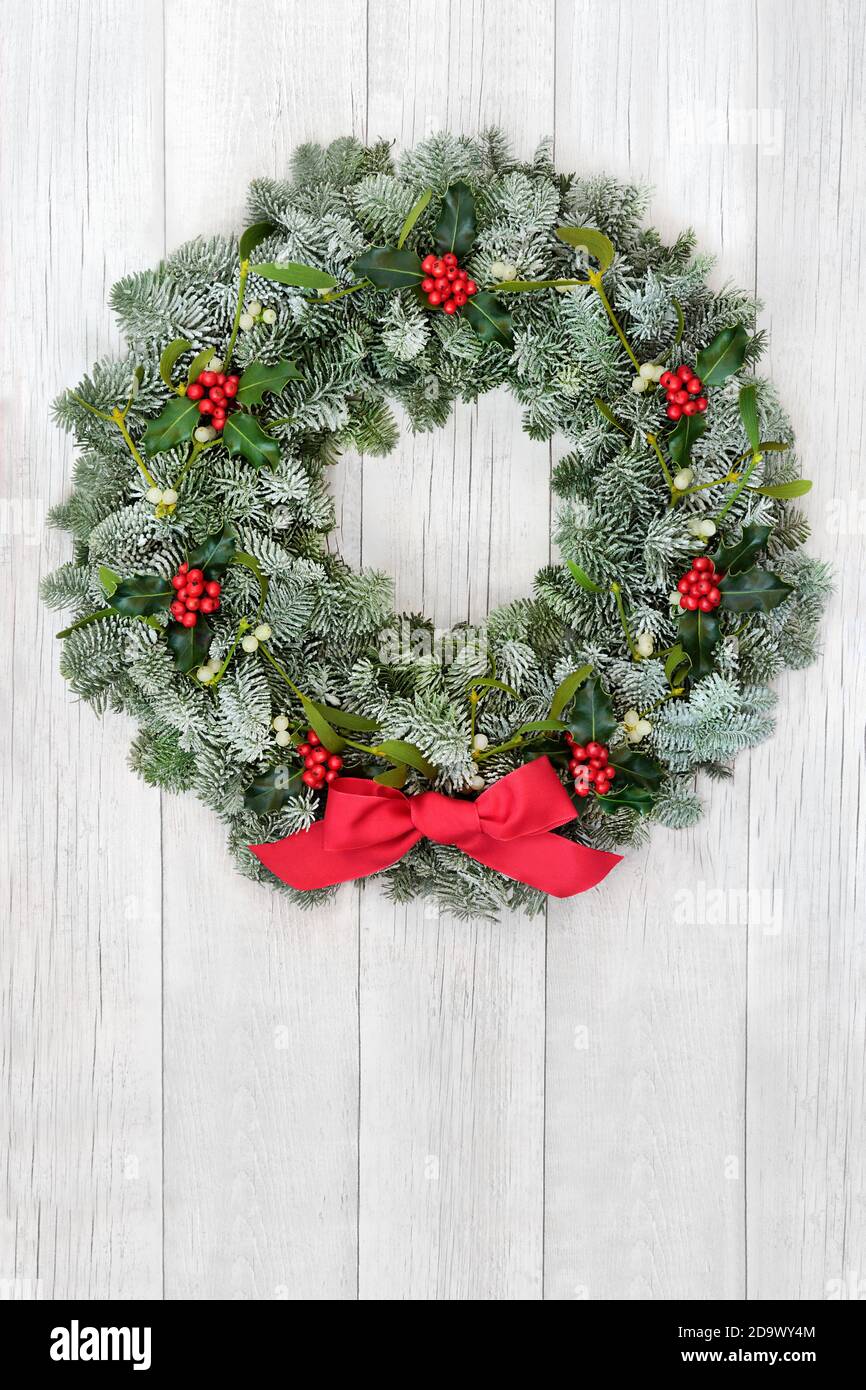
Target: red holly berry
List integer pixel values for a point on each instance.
(699, 589)
(427, 284)
(230, 387)
(213, 588)
(590, 767)
(303, 750)
(683, 387)
(335, 762)
(446, 283)
(674, 412)
(666, 379)
(208, 605)
(206, 406)
(189, 619)
(313, 737)
(450, 306)
(195, 391)
(331, 776)
(308, 779)
(207, 379)
(178, 581)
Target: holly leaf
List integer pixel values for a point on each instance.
(628, 798)
(253, 237)
(592, 715)
(600, 247)
(270, 791)
(140, 594)
(388, 269)
(412, 217)
(754, 591)
(258, 378)
(455, 230)
(305, 277)
(169, 356)
(689, 428)
(635, 768)
(244, 435)
(174, 426)
(749, 415)
(784, 491)
(699, 632)
(724, 356)
(189, 645)
(490, 320)
(567, 689)
(732, 559)
(215, 554)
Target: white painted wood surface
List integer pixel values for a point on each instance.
(207, 1095)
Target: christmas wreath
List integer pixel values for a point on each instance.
(263, 670)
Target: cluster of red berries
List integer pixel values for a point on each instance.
(320, 767)
(214, 392)
(700, 587)
(194, 595)
(684, 391)
(445, 284)
(591, 767)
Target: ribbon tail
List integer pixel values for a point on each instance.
(548, 862)
(302, 860)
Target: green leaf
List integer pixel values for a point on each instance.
(91, 618)
(724, 356)
(253, 237)
(490, 320)
(689, 428)
(567, 689)
(270, 791)
(321, 725)
(604, 409)
(635, 768)
(169, 356)
(677, 666)
(392, 776)
(491, 683)
(399, 752)
(199, 363)
(189, 645)
(414, 213)
(251, 563)
(543, 726)
(731, 559)
(699, 633)
(583, 579)
(172, 427)
(681, 321)
(749, 414)
(798, 488)
(521, 286)
(388, 269)
(305, 277)
(754, 591)
(140, 594)
(592, 715)
(257, 379)
(354, 723)
(628, 798)
(215, 554)
(599, 246)
(108, 579)
(455, 230)
(244, 435)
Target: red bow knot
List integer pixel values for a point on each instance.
(367, 827)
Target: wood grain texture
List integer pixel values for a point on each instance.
(651, 1093)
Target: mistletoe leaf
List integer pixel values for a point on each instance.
(753, 591)
(270, 791)
(108, 578)
(688, 429)
(215, 554)
(414, 213)
(200, 362)
(251, 563)
(731, 559)
(677, 667)
(600, 247)
(168, 358)
(388, 269)
(397, 751)
(354, 723)
(321, 725)
(521, 286)
(567, 689)
(724, 356)
(244, 435)
(252, 237)
(455, 230)
(490, 320)
(305, 277)
(699, 632)
(592, 715)
(583, 579)
(749, 415)
(392, 776)
(173, 426)
(140, 594)
(259, 378)
(784, 491)
(90, 618)
(189, 645)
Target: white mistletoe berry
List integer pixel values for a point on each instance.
(476, 783)
(262, 632)
(215, 364)
(269, 316)
(631, 718)
(204, 674)
(204, 434)
(154, 495)
(684, 479)
(250, 643)
(674, 597)
(645, 643)
(503, 270)
(651, 371)
(702, 527)
(480, 742)
(283, 738)
(246, 322)
(255, 308)
(169, 497)
(280, 723)
(708, 528)
(639, 384)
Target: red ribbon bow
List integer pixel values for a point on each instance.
(367, 827)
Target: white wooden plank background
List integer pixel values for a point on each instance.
(207, 1095)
